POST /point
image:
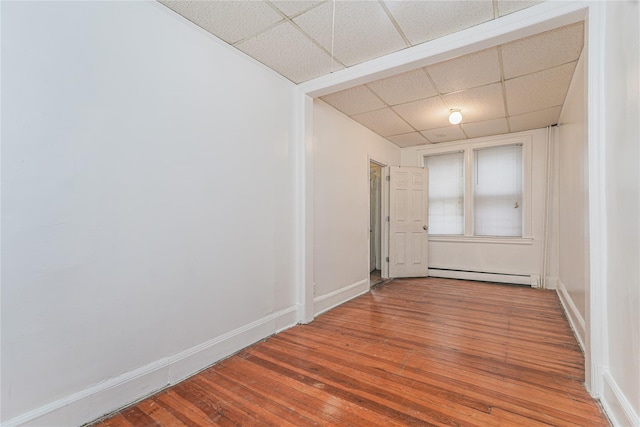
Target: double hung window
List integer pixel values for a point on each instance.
(477, 192)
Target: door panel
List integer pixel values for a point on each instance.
(408, 232)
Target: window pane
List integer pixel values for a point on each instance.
(446, 193)
(497, 191)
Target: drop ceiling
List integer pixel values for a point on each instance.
(516, 86)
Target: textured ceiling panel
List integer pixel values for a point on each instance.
(543, 51)
(536, 119)
(421, 21)
(356, 100)
(405, 87)
(540, 90)
(449, 133)
(222, 17)
(424, 114)
(506, 7)
(273, 48)
(478, 104)
(408, 139)
(530, 77)
(293, 8)
(383, 122)
(363, 30)
(487, 128)
(467, 71)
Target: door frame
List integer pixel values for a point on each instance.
(539, 18)
(384, 213)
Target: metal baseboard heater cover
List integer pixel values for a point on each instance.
(532, 280)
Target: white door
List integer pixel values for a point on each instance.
(408, 219)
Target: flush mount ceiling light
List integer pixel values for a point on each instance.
(455, 116)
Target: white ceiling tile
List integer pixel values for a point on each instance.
(408, 139)
(424, 114)
(294, 7)
(478, 104)
(506, 7)
(355, 100)
(427, 20)
(384, 122)
(287, 51)
(543, 51)
(475, 69)
(449, 133)
(403, 88)
(535, 119)
(363, 30)
(221, 18)
(538, 91)
(486, 128)
(537, 70)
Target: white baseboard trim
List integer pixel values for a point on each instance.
(573, 314)
(616, 404)
(328, 301)
(551, 283)
(109, 395)
(486, 277)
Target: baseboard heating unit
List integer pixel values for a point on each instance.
(532, 280)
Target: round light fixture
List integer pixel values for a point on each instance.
(455, 116)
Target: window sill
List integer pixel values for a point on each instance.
(482, 239)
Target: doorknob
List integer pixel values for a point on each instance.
(425, 228)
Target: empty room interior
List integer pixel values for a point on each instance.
(272, 206)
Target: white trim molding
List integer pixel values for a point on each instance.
(384, 212)
(596, 339)
(616, 405)
(111, 394)
(551, 283)
(333, 299)
(576, 321)
(303, 129)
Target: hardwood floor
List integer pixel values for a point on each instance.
(412, 352)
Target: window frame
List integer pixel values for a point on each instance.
(469, 147)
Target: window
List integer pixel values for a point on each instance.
(485, 181)
(497, 191)
(446, 193)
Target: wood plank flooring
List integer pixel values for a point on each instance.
(413, 352)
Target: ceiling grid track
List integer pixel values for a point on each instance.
(514, 86)
(395, 23)
(504, 89)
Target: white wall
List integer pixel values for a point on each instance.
(492, 255)
(571, 211)
(620, 374)
(622, 180)
(341, 203)
(147, 203)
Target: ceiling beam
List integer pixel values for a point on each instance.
(527, 22)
